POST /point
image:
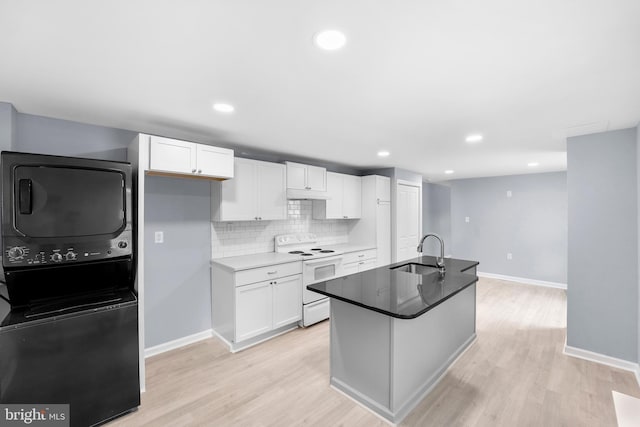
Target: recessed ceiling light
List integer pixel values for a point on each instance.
(330, 39)
(221, 107)
(473, 138)
(448, 171)
(533, 164)
(383, 153)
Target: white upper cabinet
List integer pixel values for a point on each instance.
(306, 177)
(173, 156)
(344, 201)
(351, 196)
(257, 192)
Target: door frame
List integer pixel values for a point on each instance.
(394, 237)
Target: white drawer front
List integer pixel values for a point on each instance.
(359, 256)
(254, 275)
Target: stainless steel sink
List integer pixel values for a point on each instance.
(421, 269)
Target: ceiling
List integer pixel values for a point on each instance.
(415, 77)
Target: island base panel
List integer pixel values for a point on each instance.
(389, 364)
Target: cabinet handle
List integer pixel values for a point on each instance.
(360, 256)
(361, 262)
(272, 272)
(307, 188)
(193, 171)
(345, 217)
(199, 170)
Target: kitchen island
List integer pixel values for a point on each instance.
(394, 333)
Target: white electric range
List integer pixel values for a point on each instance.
(318, 265)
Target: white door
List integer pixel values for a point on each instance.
(352, 196)
(408, 224)
(287, 300)
(172, 155)
(296, 176)
(272, 192)
(214, 161)
(239, 194)
(254, 310)
(316, 178)
(334, 192)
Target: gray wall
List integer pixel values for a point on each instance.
(177, 278)
(602, 295)
(436, 216)
(531, 225)
(44, 135)
(638, 207)
(7, 126)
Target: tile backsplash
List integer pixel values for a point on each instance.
(251, 237)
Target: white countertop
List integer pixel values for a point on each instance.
(245, 262)
(348, 247)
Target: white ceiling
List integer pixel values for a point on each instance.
(415, 77)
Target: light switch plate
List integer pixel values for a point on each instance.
(159, 237)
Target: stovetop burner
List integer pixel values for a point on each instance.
(316, 249)
(305, 254)
(326, 251)
(296, 252)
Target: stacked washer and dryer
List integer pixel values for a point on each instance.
(68, 308)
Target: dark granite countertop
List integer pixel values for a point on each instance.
(401, 294)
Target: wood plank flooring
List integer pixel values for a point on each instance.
(513, 375)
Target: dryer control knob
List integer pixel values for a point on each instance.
(16, 252)
(56, 257)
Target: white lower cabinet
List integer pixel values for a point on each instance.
(254, 310)
(287, 300)
(248, 305)
(355, 262)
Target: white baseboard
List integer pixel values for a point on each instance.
(603, 359)
(523, 280)
(180, 342)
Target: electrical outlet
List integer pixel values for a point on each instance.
(509, 193)
(159, 237)
(509, 256)
(466, 219)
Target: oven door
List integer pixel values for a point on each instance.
(319, 270)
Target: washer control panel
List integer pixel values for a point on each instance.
(16, 253)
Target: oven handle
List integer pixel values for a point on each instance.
(329, 260)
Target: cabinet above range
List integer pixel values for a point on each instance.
(306, 181)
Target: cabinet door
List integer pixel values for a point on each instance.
(351, 196)
(239, 195)
(383, 188)
(214, 161)
(172, 155)
(334, 192)
(287, 300)
(254, 310)
(296, 176)
(272, 191)
(316, 178)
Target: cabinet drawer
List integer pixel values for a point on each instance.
(254, 275)
(359, 256)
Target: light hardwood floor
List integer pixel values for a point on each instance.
(513, 375)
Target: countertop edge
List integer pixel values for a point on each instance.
(396, 315)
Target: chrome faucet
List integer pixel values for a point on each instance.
(439, 261)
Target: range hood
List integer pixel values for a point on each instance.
(295, 194)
